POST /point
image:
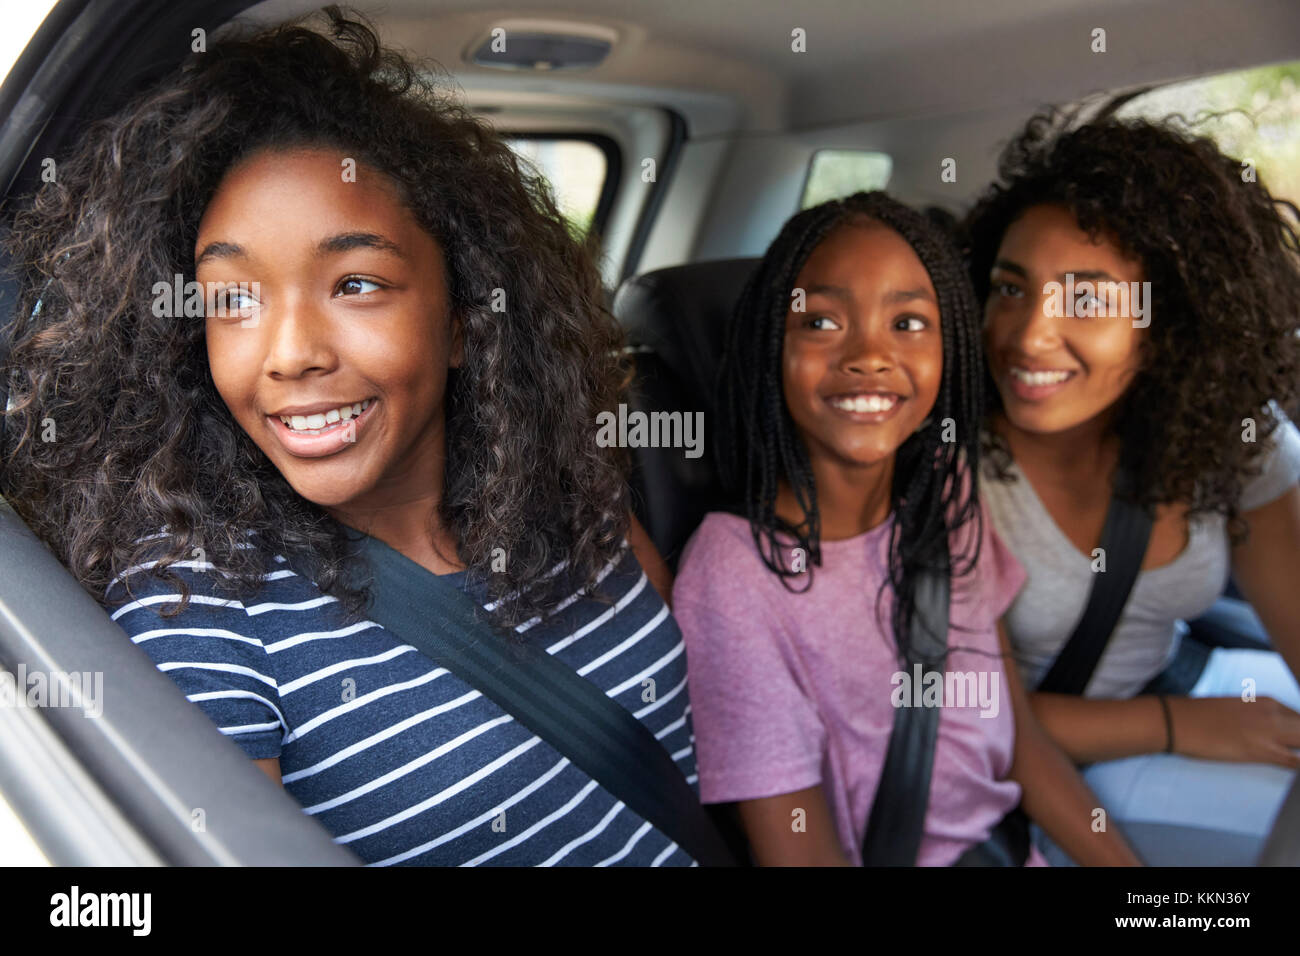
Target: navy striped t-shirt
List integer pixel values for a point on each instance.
(402, 761)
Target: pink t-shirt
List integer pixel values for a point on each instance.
(793, 690)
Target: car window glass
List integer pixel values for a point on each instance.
(836, 173)
(575, 170)
(20, 23)
(1253, 115)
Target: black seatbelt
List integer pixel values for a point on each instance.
(897, 820)
(573, 715)
(1007, 845)
(1124, 541)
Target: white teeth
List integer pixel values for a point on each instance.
(1040, 378)
(312, 424)
(865, 403)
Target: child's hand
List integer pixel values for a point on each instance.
(1229, 728)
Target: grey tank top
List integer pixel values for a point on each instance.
(1059, 577)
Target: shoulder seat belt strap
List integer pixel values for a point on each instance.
(569, 712)
(897, 820)
(1124, 541)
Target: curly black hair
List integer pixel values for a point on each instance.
(935, 482)
(144, 441)
(1223, 258)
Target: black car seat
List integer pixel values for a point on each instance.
(675, 320)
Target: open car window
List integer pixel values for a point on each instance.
(581, 173)
(1252, 114)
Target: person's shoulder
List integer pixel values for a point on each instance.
(1006, 502)
(214, 647)
(161, 591)
(1279, 464)
(155, 579)
(1001, 572)
(721, 567)
(990, 571)
(722, 537)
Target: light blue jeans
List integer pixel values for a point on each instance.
(1178, 811)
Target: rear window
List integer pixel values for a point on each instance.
(836, 173)
(1253, 115)
(578, 171)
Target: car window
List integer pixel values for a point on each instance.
(576, 169)
(836, 173)
(20, 22)
(1253, 115)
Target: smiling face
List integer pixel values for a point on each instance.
(1057, 371)
(350, 313)
(862, 364)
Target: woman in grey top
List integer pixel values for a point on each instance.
(1142, 303)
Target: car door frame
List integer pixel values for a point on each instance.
(140, 776)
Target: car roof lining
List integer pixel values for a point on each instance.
(863, 61)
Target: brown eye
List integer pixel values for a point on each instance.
(231, 300)
(354, 285)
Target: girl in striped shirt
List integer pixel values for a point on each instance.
(291, 294)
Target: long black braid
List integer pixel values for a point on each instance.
(935, 482)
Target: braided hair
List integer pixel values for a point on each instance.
(934, 488)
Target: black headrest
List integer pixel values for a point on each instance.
(681, 314)
(676, 321)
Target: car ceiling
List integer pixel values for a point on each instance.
(865, 59)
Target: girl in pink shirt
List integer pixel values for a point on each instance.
(850, 411)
